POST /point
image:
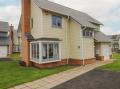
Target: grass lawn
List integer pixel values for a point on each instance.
(12, 74)
(115, 66)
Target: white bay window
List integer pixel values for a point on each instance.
(43, 52)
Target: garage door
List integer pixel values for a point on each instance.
(106, 51)
(3, 51)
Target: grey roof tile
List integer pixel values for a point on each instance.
(83, 18)
(4, 26)
(101, 37)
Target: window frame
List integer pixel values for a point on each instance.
(34, 51)
(88, 33)
(55, 24)
(40, 52)
(48, 55)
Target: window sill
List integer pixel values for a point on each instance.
(57, 27)
(87, 37)
(45, 62)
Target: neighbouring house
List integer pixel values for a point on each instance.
(54, 35)
(16, 48)
(4, 39)
(19, 32)
(14, 40)
(115, 43)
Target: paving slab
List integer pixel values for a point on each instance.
(57, 79)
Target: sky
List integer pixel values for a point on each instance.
(105, 11)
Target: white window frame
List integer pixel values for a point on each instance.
(86, 33)
(40, 52)
(34, 59)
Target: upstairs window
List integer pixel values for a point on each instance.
(57, 21)
(88, 33)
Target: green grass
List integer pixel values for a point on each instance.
(12, 74)
(115, 66)
(15, 56)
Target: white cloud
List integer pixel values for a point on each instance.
(109, 31)
(103, 10)
(10, 14)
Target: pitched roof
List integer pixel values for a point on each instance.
(4, 26)
(101, 37)
(114, 37)
(83, 18)
(31, 38)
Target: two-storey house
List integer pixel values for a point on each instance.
(54, 35)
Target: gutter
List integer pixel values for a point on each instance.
(82, 46)
(67, 47)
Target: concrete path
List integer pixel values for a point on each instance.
(57, 79)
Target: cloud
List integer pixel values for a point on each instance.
(109, 31)
(11, 14)
(105, 11)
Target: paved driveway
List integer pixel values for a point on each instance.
(95, 79)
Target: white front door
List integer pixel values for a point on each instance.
(3, 51)
(106, 51)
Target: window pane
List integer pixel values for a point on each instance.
(84, 32)
(34, 51)
(37, 51)
(56, 21)
(50, 50)
(32, 47)
(56, 51)
(44, 51)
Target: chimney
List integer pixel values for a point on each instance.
(25, 23)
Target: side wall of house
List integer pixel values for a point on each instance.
(106, 46)
(88, 48)
(74, 40)
(61, 33)
(37, 16)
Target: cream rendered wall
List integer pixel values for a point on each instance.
(88, 48)
(74, 39)
(105, 45)
(98, 49)
(61, 33)
(36, 14)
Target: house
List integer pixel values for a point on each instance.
(13, 40)
(4, 39)
(16, 48)
(54, 35)
(115, 43)
(19, 35)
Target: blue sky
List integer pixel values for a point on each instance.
(9, 2)
(10, 11)
(106, 11)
